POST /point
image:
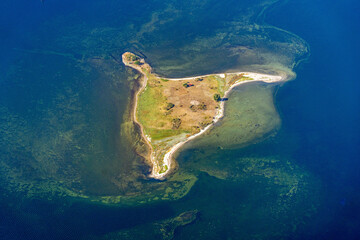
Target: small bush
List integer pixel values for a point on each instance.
(134, 58)
(217, 97)
(204, 124)
(193, 108)
(202, 106)
(170, 106)
(176, 123)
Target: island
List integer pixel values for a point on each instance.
(173, 111)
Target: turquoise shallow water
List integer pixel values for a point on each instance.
(280, 165)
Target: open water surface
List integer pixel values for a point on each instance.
(282, 164)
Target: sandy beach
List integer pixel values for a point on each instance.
(168, 157)
(257, 77)
(143, 86)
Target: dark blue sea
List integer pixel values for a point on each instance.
(282, 164)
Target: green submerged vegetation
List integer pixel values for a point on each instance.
(250, 118)
(80, 140)
(165, 124)
(66, 130)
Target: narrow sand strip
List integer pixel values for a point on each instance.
(257, 77)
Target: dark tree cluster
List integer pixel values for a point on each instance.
(170, 106)
(217, 97)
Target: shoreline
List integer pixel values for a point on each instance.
(219, 115)
(142, 87)
(168, 157)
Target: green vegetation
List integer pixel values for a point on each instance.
(164, 169)
(236, 78)
(151, 108)
(216, 83)
(204, 123)
(217, 97)
(186, 85)
(221, 86)
(246, 78)
(132, 57)
(176, 123)
(202, 106)
(166, 125)
(158, 134)
(169, 106)
(137, 62)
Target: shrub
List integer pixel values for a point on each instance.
(202, 106)
(217, 97)
(169, 106)
(176, 123)
(204, 124)
(193, 108)
(134, 58)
